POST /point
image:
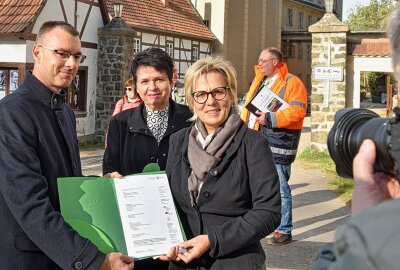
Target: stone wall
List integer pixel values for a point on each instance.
(329, 31)
(115, 54)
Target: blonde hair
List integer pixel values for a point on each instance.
(208, 65)
(129, 83)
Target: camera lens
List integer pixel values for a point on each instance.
(351, 127)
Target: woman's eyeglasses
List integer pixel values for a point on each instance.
(218, 93)
(128, 89)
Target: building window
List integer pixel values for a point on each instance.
(290, 17)
(310, 20)
(76, 92)
(9, 81)
(288, 50)
(195, 53)
(206, 23)
(301, 18)
(300, 51)
(309, 52)
(137, 45)
(169, 45)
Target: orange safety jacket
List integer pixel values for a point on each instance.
(283, 127)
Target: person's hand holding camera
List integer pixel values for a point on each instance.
(370, 188)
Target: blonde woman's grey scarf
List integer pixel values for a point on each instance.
(203, 160)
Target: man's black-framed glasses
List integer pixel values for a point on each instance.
(218, 93)
(64, 56)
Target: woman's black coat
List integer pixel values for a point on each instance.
(239, 202)
(131, 145)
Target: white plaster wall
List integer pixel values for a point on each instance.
(176, 55)
(217, 15)
(94, 22)
(52, 12)
(185, 55)
(204, 47)
(148, 38)
(12, 50)
(187, 44)
(183, 67)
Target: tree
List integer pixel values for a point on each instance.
(371, 17)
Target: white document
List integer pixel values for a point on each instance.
(266, 101)
(149, 219)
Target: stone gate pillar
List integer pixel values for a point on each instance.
(328, 66)
(114, 57)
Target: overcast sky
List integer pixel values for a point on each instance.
(347, 4)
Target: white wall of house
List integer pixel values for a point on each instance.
(53, 11)
(12, 49)
(182, 48)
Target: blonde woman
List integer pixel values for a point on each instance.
(222, 176)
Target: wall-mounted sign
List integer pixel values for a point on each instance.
(328, 73)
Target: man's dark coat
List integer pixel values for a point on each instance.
(38, 143)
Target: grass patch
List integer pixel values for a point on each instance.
(320, 160)
(91, 145)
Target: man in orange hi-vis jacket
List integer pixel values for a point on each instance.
(283, 127)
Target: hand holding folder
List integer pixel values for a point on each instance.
(134, 215)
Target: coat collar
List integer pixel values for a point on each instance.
(38, 90)
(283, 71)
(176, 119)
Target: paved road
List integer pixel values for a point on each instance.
(316, 210)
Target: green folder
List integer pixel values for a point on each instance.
(89, 205)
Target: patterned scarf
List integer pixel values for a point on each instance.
(157, 122)
(205, 156)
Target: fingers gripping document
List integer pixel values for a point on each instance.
(135, 215)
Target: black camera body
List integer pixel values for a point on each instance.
(352, 126)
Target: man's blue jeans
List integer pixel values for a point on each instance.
(286, 225)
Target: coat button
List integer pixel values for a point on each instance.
(54, 101)
(130, 128)
(214, 172)
(164, 155)
(206, 194)
(78, 265)
(151, 158)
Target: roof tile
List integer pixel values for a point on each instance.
(371, 47)
(178, 16)
(17, 15)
